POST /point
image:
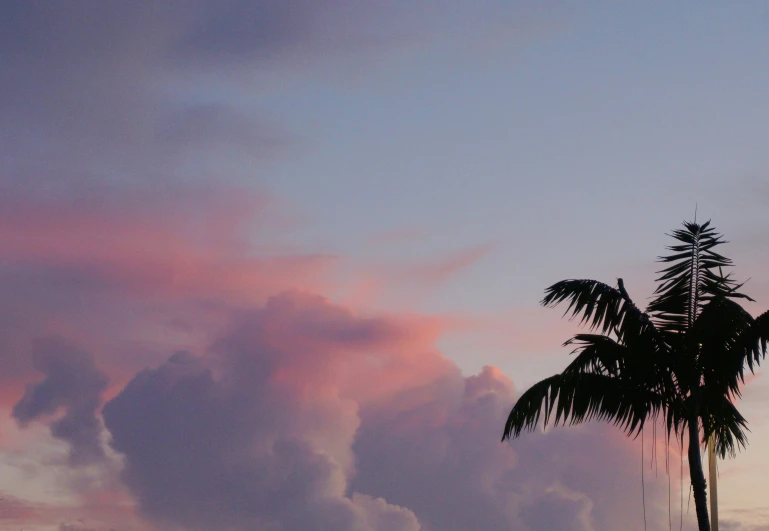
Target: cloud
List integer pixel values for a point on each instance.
(87, 95)
(216, 125)
(560, 508)
(267, 451)
(169, 242)
(204, 458)
(94, 91)
(132, 275)
(755, 519)
(307, 415)
(15, 510)
(73, 383)
(238, 30)
(412, 281)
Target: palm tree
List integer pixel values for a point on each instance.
(681, 361)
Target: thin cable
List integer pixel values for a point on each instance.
(643, 485)
(667, 472)
(681, 487)
(656, 463)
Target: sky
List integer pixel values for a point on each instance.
(276, 264)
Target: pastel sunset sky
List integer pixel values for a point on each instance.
(275, 265)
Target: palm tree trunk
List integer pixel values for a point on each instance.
(699, 486)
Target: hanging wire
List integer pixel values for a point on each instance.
(667, 471)
(643, 485)
(681, 487)
(654, 450)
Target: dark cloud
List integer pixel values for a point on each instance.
(207, 457)
(72, 383)
(97, 91)
(239, 29)
(84, 98)
(269, 33)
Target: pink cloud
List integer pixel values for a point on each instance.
(306, 414)
(19, 514)
(415, 280)
(193, 243)
(16, 511)
(130, 275)
(144, 271)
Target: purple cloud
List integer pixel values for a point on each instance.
(94, 91)
(367, 428)
(72, 383)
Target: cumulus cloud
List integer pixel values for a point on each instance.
(306, 415)
(72, 383)
(251, 448)
(205, 457)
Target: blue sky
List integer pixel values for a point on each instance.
(613, 123)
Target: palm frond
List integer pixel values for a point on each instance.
(721, 418)
(754, 341)
(600, 306)
(694, 276)
(599, 354)
(572, 398)
(715, 339)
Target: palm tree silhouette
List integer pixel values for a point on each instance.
(681, 361)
